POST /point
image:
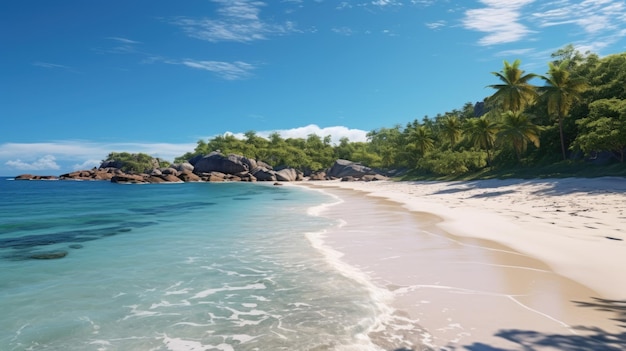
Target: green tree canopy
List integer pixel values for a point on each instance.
(561, 91)
(514, 92)
(604, 129)
(517, 130)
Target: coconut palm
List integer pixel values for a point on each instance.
(481, 132)
(451, 129)
(421, 140)
(517, 129)
(560, 93)
(515, 92)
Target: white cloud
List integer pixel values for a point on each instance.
(89, 164)
(84, 152)
(436, 25)
(602, 22)
(47, 162)
(227, 70)
(500, 20)
(343, 31)
(335, 132)
(73, 155)
(123, 40)
(386, 3)
(49, 65)
(592, 16)
(238, 21)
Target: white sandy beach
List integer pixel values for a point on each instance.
(495, 264)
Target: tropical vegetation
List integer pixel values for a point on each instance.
(573, 114)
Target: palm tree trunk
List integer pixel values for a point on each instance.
(562, 136)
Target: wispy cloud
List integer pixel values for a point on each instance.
(344, 5)
(436, 25)
(500, 19)
(386, 3)
(602, 21)
(124, 40)
(343, 31)
(119, 45)
(236, 70)
(592, 16)
(49, 65)
(47, 162)
(238, 20)
(227, 70)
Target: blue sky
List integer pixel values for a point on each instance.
(79, 79)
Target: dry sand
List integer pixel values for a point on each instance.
(492, 265)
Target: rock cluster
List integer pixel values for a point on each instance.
(216, 167)
(348, 171)
(35, 177)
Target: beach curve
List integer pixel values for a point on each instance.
(544, 227)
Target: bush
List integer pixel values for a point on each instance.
(453, 163)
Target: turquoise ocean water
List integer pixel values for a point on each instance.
(196, 266)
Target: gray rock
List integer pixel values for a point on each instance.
(216, 162)
(287, 175)
(345, 168)
(264, 175)
(185, 166)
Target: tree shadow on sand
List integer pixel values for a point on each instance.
(589, 338)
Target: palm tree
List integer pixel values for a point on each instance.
(560, 93)
(517, 129)
(481, 132)
(515, 92)
(451, 129)
(419, 141)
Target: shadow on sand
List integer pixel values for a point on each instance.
(553, 187)
(590, 338)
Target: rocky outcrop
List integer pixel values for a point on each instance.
(263, 174)
(92, 174)
(188, 176)
(34, 177)
(131, 178)
(352, 171)
(216, 167)
(321, 175)
(288, 175)
(216, 162)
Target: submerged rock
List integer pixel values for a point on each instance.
(48, 255)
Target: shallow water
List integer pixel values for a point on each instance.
(173, 267)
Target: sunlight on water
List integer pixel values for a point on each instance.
(174, 267)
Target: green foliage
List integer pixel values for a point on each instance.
(515, 92)
(453, 163)
(560, 93)
(581, 104)
(135, 163)
(517, 130)
(604, 129)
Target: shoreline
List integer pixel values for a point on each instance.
(468, 251)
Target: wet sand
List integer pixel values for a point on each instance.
(448, 275)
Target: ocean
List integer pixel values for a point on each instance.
(194, 266)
